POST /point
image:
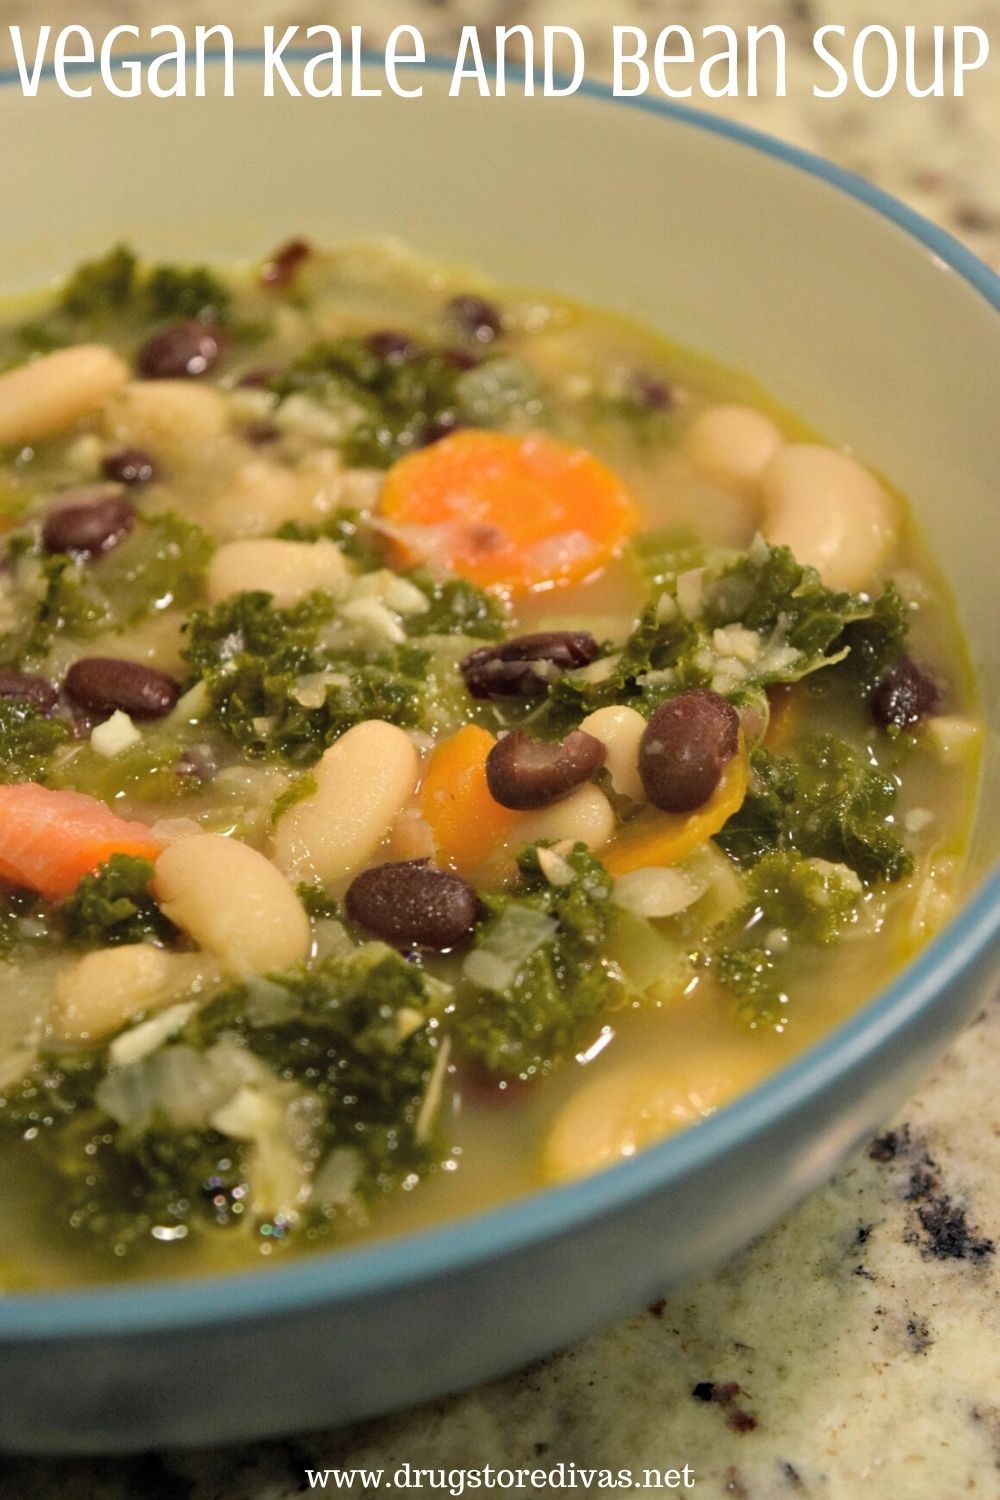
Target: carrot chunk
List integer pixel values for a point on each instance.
(661, 838)
(455, 800)
(506, 510)
(50, 839)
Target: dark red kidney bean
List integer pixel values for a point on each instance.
(283, 264)
(439, 427)
(461, 359)
(903, 696)
(524, 773)
(261, 433)
(106, 683)
(129, 466)
(524, 667)
(413, 904)
(390, 345)
(684, 748)
(257, 378)
(24, 687)
(476, 317)
(181, 352)
(90, 523)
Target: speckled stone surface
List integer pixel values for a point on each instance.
(853, 1353)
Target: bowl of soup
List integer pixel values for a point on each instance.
(495, 731)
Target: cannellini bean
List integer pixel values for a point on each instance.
(288, 570)
(830, 511)
(172, 419)
(261, 497)
(233, 902)
(731, 445)
(616, 1115)
(362, 783)
(106, 988)
(48, 395)
(585, 817)
(656, 891)
(619, 729)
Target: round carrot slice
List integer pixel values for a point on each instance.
(518, 512)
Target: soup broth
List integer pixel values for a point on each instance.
(449, 739)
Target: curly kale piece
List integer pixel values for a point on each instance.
(399, 400)
(801, 627)
(102, 287)
(455, 607)
(298, 1067)
(114, 905)
(116, 286)
(536, 981)
(252, 656)
(811, 901)
(28, 741)
(828, 803)
(347, 527)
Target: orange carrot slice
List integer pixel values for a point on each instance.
(50, 839)
(507, 510)
(661, 838)
(455, 800)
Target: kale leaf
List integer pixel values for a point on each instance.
(828, 803)
(28, 741)
(455, 607)
(536, 981)
(240, 1118)
(114, 905)
(253, 656)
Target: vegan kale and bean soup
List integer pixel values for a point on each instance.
(447, 740)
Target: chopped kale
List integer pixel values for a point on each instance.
(455, 607)
(237, 1119)
(99, 288)
(28, 741)
(874, 643)
(318, 902)
(116, 286)
(348, 528)
(114, 905)
(296, 791)
(827, 803)
(253, 658)
(536, 980)
(681, 642)
(398, 402)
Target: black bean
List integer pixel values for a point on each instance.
(26, 688)
(524, 773)
(390, 345)
(257, 378)
(129, 466)
(903, 696)
(476, 317)
(650, 393)
(106, 683)
(524, 667)
(461, 359)
(261, 433)
(283, 264)
(181, 351)
(89, 522)
(684, 748)
(439, 427)
(413, 904)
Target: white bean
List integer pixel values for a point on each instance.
(233, 902)
(830, 511)
(288, 570)
(619, 729)
(106, 988)
(731, 445)
(362, 783)
(259, 499)
(585, 817)
(174, 419)
(48, 395)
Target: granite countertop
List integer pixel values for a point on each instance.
(853, 1351)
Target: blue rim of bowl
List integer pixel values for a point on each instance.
(387, 1266)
